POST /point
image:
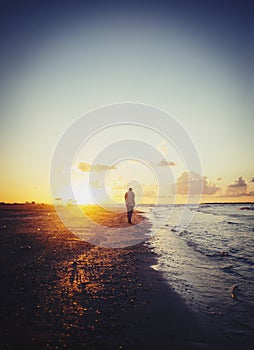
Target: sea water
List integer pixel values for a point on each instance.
(209, 261)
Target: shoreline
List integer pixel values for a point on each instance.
(59, 292)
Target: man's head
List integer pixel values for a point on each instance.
(130, 189)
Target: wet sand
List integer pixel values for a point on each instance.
(58, 292)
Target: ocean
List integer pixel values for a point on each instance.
(209, 261)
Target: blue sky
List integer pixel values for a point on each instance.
(61, 59)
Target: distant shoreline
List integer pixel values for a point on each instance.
(149, 204)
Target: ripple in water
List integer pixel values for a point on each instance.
(210, 263)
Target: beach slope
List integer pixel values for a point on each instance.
(59, 292)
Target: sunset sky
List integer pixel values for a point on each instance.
(62, 59)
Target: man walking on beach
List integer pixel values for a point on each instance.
(130, 203)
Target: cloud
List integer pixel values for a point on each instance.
(239, 183)
(194, 184)
(119, 184)
(164, 162)
(141, 190)
(86, 167)
(238, 188)
(96, 184)
(101, 167)
(252, 180)
(163, 147)
(150, 191)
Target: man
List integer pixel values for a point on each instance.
(130, 203)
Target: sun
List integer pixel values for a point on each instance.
(82, 194)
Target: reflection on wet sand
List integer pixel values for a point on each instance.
(62, 293)
(110, 217)
(104, 228)
(95, 273)
(99, 282)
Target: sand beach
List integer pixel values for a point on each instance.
(59, 292)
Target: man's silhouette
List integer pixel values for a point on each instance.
(130, 203)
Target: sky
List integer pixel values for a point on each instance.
(193, 59)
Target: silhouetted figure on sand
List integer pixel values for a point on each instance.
(130, 203)
(74, 273)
